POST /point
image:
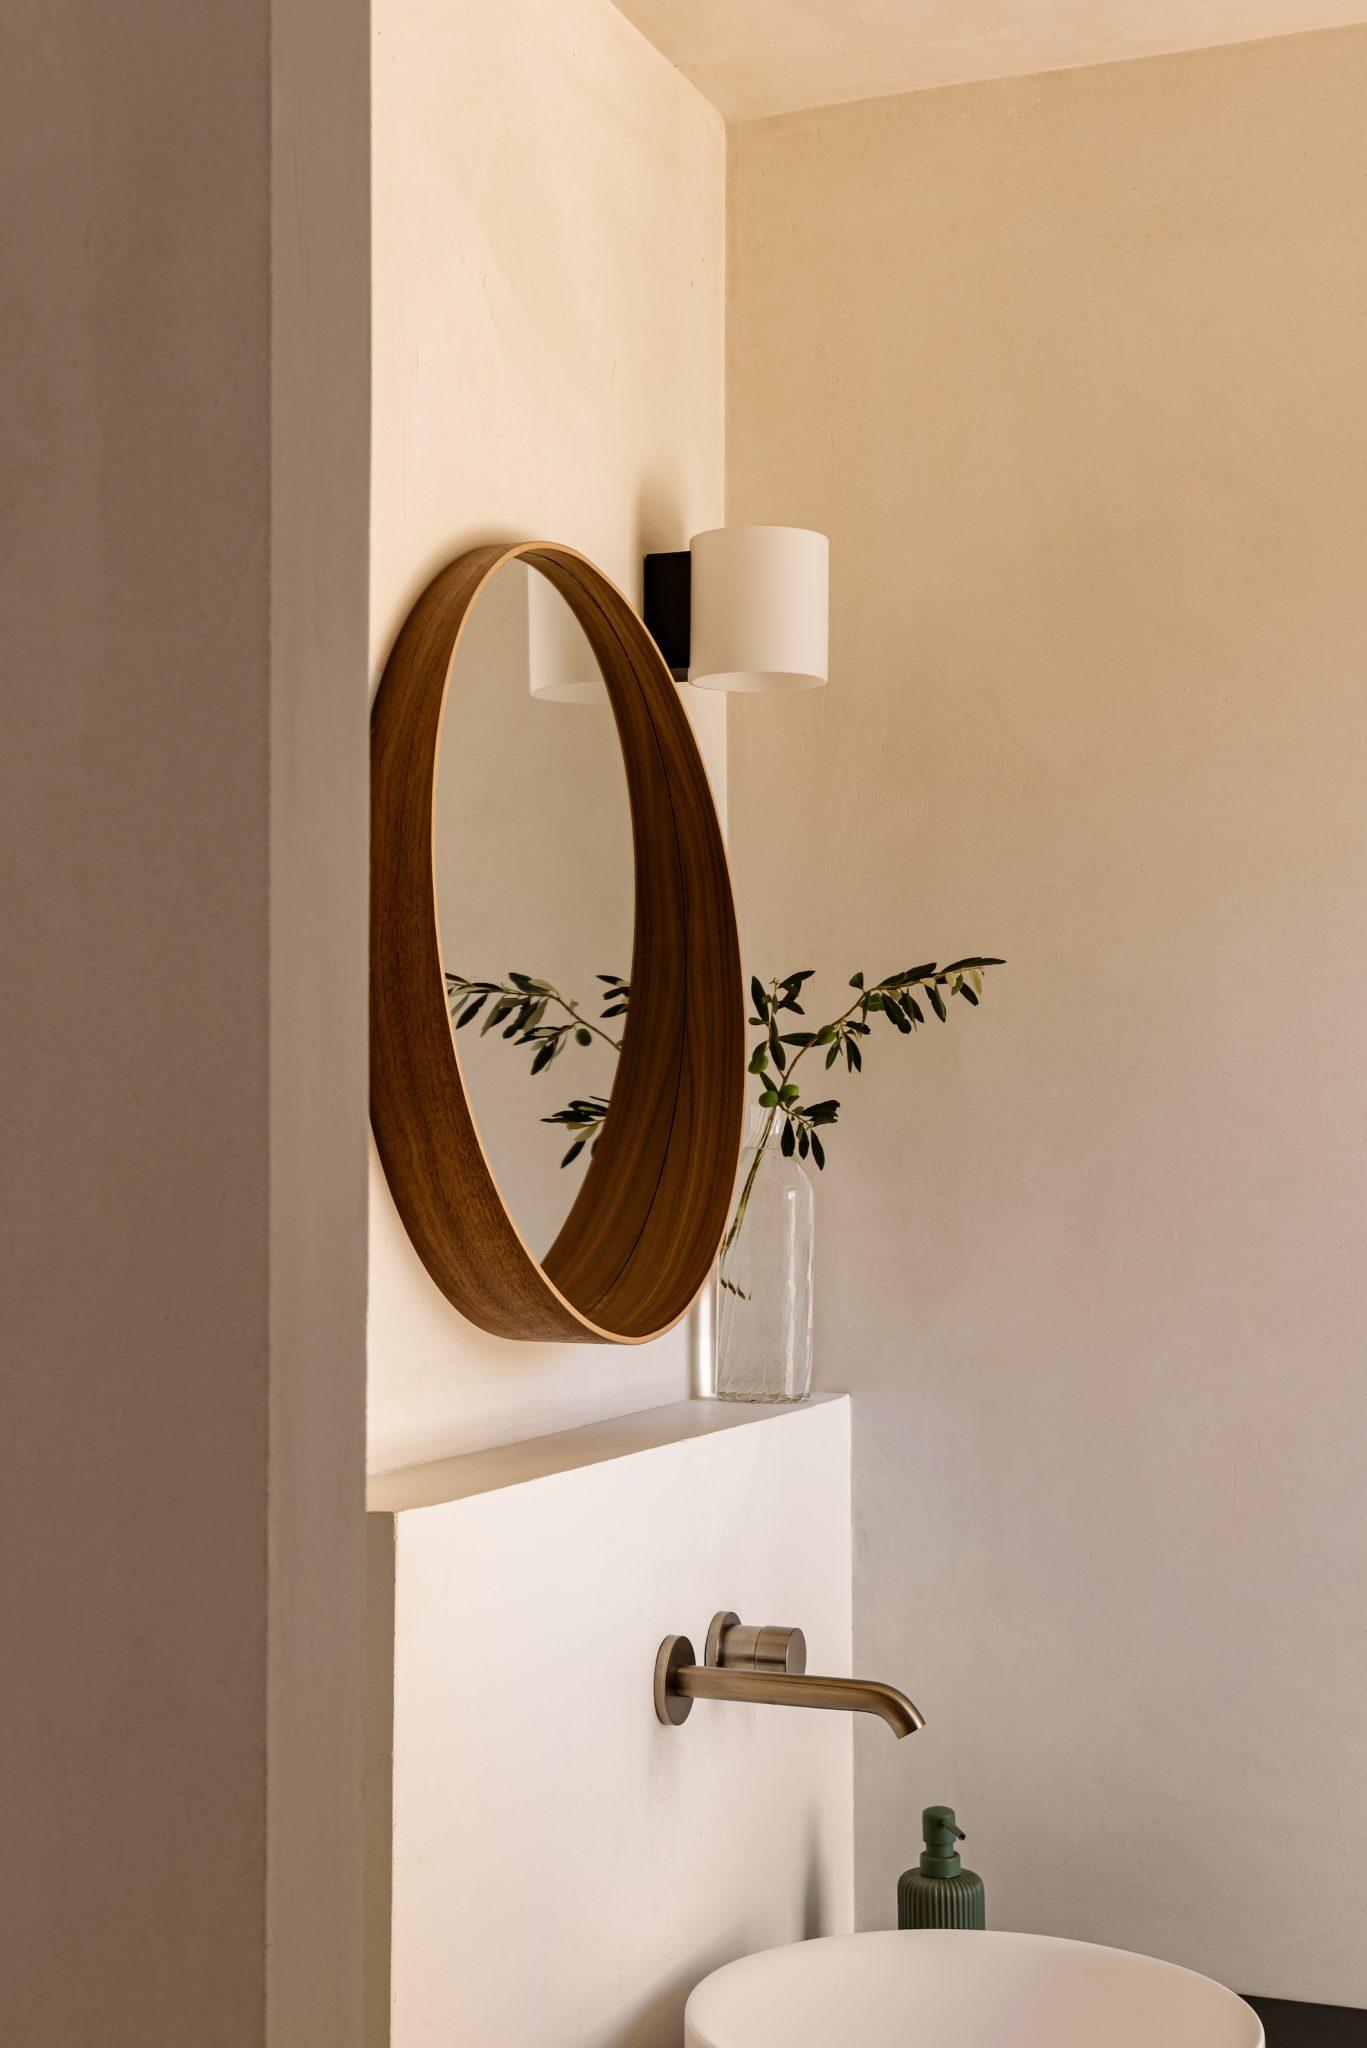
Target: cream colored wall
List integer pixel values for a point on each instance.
(548, 360)
(758, 57)
(1071, 370)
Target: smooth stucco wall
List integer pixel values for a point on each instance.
(548, 353)
(769, 57)
(183, 791)
(136, 1203)
(1071, 371)
(565, 1868)
(319, 1076)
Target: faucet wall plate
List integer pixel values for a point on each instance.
(671, 1706)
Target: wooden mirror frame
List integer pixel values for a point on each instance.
(644, 1228)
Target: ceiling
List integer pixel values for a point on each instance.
(756, 57)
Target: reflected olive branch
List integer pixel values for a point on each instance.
(520, 1004)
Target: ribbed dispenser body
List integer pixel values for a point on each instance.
(941, 1901)
(941, 1893)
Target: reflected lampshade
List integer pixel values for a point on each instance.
(561, 668)
(760, 608)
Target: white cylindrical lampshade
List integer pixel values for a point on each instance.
(561, 667)
(760, 608)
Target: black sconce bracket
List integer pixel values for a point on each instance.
(668, 593)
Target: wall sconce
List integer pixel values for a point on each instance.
(743, 608)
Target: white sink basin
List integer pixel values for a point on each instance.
(960, 1990)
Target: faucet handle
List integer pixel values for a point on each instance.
(731, 1646)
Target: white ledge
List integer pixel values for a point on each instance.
(623, 1436)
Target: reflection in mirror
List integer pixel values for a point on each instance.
(533, 862)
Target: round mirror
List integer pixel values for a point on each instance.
(531, 798)
(557, 1057)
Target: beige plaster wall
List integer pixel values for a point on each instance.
(182, 1311)
(319, 1071)
(548, 360)
(1072, 371)
(758, 57)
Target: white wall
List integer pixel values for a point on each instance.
(548, 351)
(1071, 370)
(564, 1867)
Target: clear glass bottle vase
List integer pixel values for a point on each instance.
(764, 1299)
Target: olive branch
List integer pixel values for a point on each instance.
(895, 997)
(522, 1005)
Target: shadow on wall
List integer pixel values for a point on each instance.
(659, 2024)
(815, 1905)
(660, 521)
(661, 2020)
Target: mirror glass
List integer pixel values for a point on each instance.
(533, 860)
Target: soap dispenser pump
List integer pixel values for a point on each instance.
(941, 1893)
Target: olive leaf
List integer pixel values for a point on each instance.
(583, 1119)
(795, 1122)
(520, 1005)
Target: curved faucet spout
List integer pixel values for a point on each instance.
(785, 1689)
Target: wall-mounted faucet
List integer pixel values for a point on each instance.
(768, 1667)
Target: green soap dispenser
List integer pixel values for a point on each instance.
(940, 1893)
